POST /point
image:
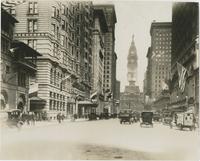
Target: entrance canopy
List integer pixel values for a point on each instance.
(37, 103)
(87, 103)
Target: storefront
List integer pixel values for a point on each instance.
(86, 107)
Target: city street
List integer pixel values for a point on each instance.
(101, 139)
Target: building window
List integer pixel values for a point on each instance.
(4, 45)
(63, 24)
(53, 29)
(62, 40)
(58, 32)
(33, 8)
(53, 12)
(50, 104)
(21, 79)
(12, 11)
(63, 9)
(32, 44)
(32, 25)
(7, 69)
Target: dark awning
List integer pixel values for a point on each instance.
(18, 45)
(37, 100)
(87, 103)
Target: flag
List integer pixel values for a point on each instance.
(182, 76)
(64, 79)
(94, 94)
(164, 85)
(11, 3)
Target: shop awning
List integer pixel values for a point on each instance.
(87, 103)
(37, 100)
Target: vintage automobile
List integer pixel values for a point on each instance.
(125, 115)
(14, 118)
(147, 119)
(93, 116)
(157, 117)
(183, 120)
(166, 118)
(11, 118)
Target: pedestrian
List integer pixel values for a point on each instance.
(33, 119)
(59, 118)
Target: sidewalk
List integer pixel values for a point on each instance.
(43, 123)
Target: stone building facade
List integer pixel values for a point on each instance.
(110, 57)
(98, 49)
(18, 64)
(185, 51)
(61, 32)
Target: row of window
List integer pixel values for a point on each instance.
(163, 34)
(162, 47)
(163, 60)
(57, 96)
(57, 105)
(163, 42)
(55, 78)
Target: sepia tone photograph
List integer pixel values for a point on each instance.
(99, 80)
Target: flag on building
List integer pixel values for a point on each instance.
(182, 76)
(94, 94)
(7, 4)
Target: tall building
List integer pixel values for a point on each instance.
(110, 56)
(98, 53)
(132, 63)
(18, 64)
(131, 98)
(61, 32)
(185, 52)
(159, 58)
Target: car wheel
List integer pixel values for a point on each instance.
(19, 124)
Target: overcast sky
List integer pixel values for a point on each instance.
(135, 17)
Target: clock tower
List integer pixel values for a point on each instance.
(132, 63)
(131, 98)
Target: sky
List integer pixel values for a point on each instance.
(135, 17)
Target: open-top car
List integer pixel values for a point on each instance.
(14, 118)
(125, 115)
(147, 119)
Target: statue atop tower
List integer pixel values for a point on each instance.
(132, 63)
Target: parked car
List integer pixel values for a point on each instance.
(147, 119)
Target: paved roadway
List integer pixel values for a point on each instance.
(101, 139)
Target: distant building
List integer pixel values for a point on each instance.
(185, 51)
(18, 64)
(131, 98)
(159, 59)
